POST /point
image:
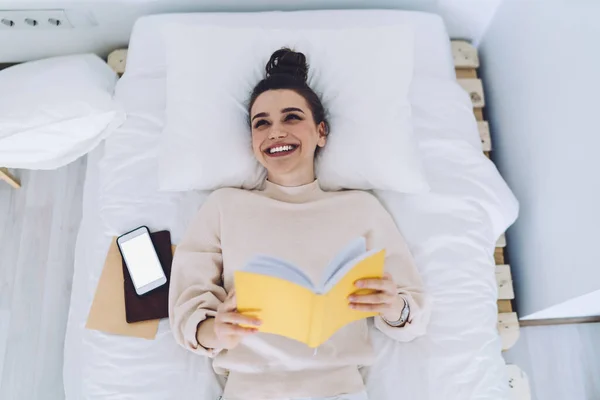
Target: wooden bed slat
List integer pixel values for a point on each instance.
(505, 306)
(499, 255)
(504, 282)
(478, 114)
(470, 73)
(508, 327)
(475, 89)
(484, 134)
(464, 55)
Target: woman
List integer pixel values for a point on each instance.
(292, 218)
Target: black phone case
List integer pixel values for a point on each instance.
(154, 304)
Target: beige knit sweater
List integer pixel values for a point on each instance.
(307, 227)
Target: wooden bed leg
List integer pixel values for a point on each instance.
(8, 178)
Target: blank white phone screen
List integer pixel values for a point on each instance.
(141, 260)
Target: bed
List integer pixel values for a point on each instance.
(451, 231)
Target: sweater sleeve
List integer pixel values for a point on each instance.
(196, 287)
(400, 264)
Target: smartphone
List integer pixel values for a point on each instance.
(141, 260)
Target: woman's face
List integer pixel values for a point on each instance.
(284, 134)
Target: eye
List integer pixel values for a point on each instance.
(260, 123)
(290, 117)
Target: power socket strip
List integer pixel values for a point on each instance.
(34, 19)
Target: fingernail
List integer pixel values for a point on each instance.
(258, 323)
(351, 298)
(359, 284)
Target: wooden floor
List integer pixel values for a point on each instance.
(562, 361)
(38, 227)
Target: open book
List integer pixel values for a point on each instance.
(291, 305)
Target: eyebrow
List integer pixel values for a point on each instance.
(260, 115)
(283, 111)
(290, 109)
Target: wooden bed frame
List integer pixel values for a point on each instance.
(466, 62)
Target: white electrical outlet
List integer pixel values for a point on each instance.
(34, 19)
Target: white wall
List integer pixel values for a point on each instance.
(541, 68)
(114, 18)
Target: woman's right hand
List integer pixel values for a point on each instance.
(228, 331)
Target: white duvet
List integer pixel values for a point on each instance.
(451, 232)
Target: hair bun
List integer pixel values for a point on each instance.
(288, 62)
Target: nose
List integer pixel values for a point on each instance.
(277, 133)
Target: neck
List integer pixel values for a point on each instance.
(292, 179)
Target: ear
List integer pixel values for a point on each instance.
(322, 131)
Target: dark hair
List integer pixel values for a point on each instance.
(287, 69)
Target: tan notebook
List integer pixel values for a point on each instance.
(107, 313)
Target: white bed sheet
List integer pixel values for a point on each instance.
(451, 232)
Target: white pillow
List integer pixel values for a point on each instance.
(362, 74)
(55, 110)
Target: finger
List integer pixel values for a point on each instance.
(230, 304)
(226, 307)
(230, 294)
(228, 329)
(238, 319)
(375, 298)
(384, 285)
(378, 308)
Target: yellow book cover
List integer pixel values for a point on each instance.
(291, 305)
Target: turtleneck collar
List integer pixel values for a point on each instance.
(292, 194)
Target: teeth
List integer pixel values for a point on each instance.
(280, 148)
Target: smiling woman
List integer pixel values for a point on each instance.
(291, 218)
(287, 120)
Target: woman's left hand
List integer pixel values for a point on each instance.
(384, 300)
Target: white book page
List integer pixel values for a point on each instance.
(352, 250)
(343, 270)
(278, 268)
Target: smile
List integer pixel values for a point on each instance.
(280, 151)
